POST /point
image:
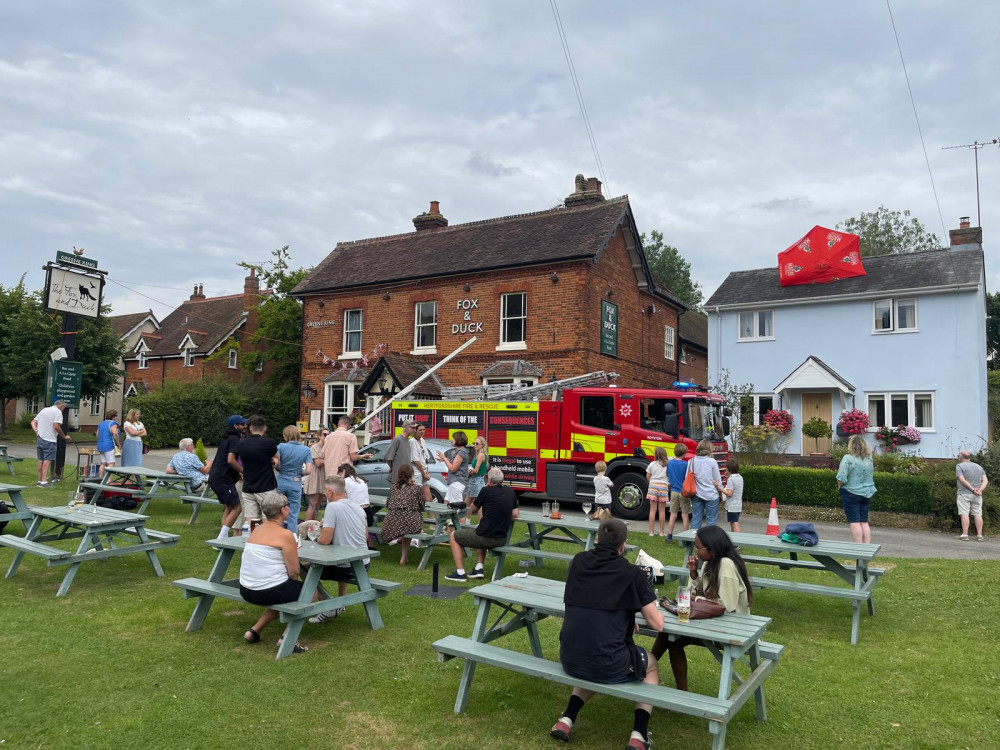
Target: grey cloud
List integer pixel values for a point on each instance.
(801, 203)
(480, 163)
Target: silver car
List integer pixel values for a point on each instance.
(375, 470)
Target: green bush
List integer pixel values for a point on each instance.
(894, 462)
(24, 421)
(200, 409)
(818, 487)
(838, 450)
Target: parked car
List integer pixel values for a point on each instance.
(375, 470)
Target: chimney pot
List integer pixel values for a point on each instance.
(963, 222)
(431, 219)
(435, 207)
(587, 190)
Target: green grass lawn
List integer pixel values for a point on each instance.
(110, 665)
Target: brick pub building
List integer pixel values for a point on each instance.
(549, 295)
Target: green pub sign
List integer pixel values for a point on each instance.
(609, 328)
(63, 380)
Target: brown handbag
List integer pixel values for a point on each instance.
(701, 609)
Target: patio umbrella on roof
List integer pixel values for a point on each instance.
(822, 256)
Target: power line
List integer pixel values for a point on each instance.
(579, 93)
(915, 117)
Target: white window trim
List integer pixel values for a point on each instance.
(758, 415)
(507, 346)
(911, 412)
(670, 341)
(259, 367)
(348, 399)
(518, 382)
(353, 353)
(234, 359)
(188, 358)
(143, 361)
(894, 301)
(417, 326)
(131, 391)
(95, 407)
(756, 326)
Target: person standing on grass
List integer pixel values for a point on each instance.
(259, 456)
(676, 469)
(135, 431)
(604, 591)
(708, 483)
(399, 450)
(456, 459)
(972, 481)
(658, 493)
(341, 446)
(294, 461)
(498, 506)
(107, 440)
(420, 461)
(732, 495)
(312, 483)
(47, 425)
(857, 485)
(226, 472)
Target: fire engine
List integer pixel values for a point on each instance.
(550, 445)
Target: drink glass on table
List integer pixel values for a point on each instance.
(546, 509)
(313, 533)
(684, 603)
(587, 507)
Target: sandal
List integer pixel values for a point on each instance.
(298, 648)
(963, 538)
(254, 636)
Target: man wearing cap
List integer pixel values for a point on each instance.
(604, 591)
(341, 447)
(226, 472)
(47, 425)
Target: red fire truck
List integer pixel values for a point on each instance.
(551, 446)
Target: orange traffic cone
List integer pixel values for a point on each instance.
(773, 529)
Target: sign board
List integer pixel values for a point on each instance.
(76, 260)
(315, 420)
(64, 380)
(303, 426)
(609, 328)
(73, 292)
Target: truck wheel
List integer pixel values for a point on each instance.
(628, 500)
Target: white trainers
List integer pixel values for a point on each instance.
(325, 616)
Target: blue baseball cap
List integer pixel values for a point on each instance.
(235, 420)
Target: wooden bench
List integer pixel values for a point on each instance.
(785, 564)
(196, 501)
(10, 460)
(100, 489)
(717, 711)
(52, 555)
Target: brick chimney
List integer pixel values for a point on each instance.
(966, 237)
(432, 219)
(251, 290)
(588, 190)
(198, 293)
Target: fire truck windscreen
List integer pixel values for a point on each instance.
(703, 419)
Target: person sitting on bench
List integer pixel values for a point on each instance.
(603, 593)
(498, 505)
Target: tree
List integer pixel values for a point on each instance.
(98, 349)
(671, 270)
(885, 232)
(993, 331)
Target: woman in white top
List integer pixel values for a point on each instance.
(135, 431)
(357, 492)
(270, 565)
(708, 484)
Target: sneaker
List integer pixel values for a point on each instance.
(394, 542)
(979, 538)
(478, 572)
(670, 538)
(324, 616)
(456, 577)
(43, 484)
(54, 480)
(651, 533)
(561, 729)
(636, 742)
(962, 538)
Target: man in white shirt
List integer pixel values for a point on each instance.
(47, 425)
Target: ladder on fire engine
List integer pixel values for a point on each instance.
(555, 388)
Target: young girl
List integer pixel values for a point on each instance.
(602, 491)
(659, 490)
(733, 495)
(312, 484)
(723, 579)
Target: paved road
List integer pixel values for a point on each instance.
(895, 542)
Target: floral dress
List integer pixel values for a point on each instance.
(403, 512)
(312, 484)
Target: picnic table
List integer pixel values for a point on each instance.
(547, 529)
(825, 556)
(21, 511)
(733, 639)
(141, 483)
(9, 459)
(438, 514)
(103, 533)
(293, 614)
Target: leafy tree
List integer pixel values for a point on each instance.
(671, 270)
(993, 331)
(885, 232)
(98, 349)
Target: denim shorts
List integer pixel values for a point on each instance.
(44, 450)
(855, 506)
(476, 484)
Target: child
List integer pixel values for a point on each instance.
(659, 489)
(602, 490)
(733, 495)
(676, 469)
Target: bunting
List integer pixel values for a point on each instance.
(345, 365)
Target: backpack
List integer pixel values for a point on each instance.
(118, 502)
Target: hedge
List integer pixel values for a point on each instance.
(798, 486)
(200, 409)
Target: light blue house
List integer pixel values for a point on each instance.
(905, 343)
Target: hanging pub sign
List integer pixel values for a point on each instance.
(72, 291)
(609, 328)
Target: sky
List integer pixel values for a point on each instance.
(174, 140)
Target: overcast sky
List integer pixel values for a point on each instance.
(175, 139)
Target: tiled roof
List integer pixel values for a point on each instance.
(694, 329)
(404, 370)
(509, 368)
(884, 273)
(217, 316)
(557, 234)
(122, 324)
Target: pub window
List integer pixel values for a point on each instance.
(352, 331)
(513, 318)
(894, 315)
(425, 325)
(668, 342)
(95, 407)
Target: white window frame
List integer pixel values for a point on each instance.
(506, 345)
(669, 342)
(259, 367)
(143, 361)
(894, 303)
(131, 391)
(353, 353)
(758, 413)
(756, 326)
(234, 359)
(95, 407)
(417, 326)
(911, 412)
(189, 357)
(328, 410)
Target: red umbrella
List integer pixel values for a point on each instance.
(822, 256)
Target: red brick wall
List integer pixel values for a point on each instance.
(160, 371)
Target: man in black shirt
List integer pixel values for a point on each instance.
(225, 473)
(258, 454)
(499, 507)
(603, 593)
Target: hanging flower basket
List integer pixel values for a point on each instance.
(853, 422)
(779, 420)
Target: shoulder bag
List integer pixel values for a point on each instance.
(689, 489)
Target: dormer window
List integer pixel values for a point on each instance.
(143, 363)
(189, 357)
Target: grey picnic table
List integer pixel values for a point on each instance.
(294, 614)
(142, 483)
(733, 639)
(9, 459)
(823, 557)
(438, 514)
(103, 533)
(21, 511)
